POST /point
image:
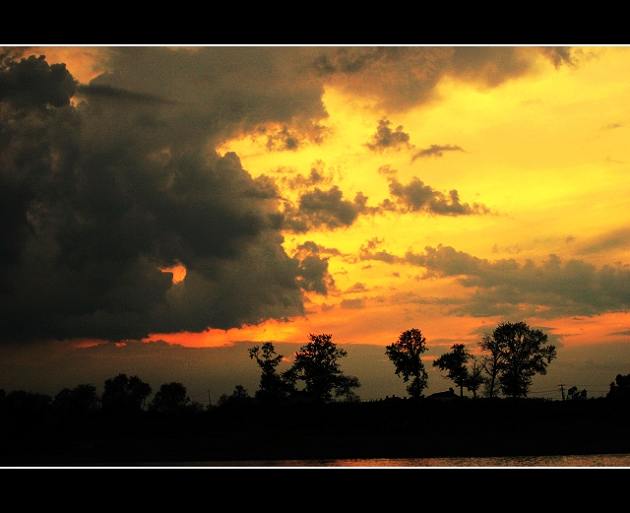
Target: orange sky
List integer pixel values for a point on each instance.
(546, 152)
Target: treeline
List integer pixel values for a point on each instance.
(508, 360)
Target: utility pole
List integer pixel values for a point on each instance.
(562, 385)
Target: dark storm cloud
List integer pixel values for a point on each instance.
(551, 288)
(96, 198)
(119, 95)
(416, 196)
(32, 82)
(403, 77)
(386, 138)
(435, 150)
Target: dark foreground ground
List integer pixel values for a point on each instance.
(381, 429)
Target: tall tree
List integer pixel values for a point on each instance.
(490, 363)
(406, 355)
(517, 354)
(316, 365)
(170, 398)
(272, 385)
(454, 364)
(475, 377)
(125, 394)
(620, 388)
(80, 400)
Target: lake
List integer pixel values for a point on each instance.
(590, 460)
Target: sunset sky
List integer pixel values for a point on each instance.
(209, 197)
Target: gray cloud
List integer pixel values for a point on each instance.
(323, 208)
(316, 176)
(615, 239)
(435, 150)
(406, 76)
(289, 139)
(622, 333)
(352, 304)
(120, 95)
(386, 138)
(551, 288)
(371, 250)
(612, 126)
(316, 249)
(357, 287)
(416, 196)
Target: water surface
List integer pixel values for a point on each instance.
(590, 460)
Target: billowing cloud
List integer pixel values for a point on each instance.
(98, 196)
(405, 76)
(385, 138)
(436, 150)
(33, 83)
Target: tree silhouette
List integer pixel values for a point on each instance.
(620, 388)
(475, 377)
(272, 385)
(170, 398)
(406, 355)
(490, 363)
(516, 354)
(125, 394)
(573, 394)
(454, 364)
(316, 365)
(239, 396)
(80, 400)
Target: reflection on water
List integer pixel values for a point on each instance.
(591, 460)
